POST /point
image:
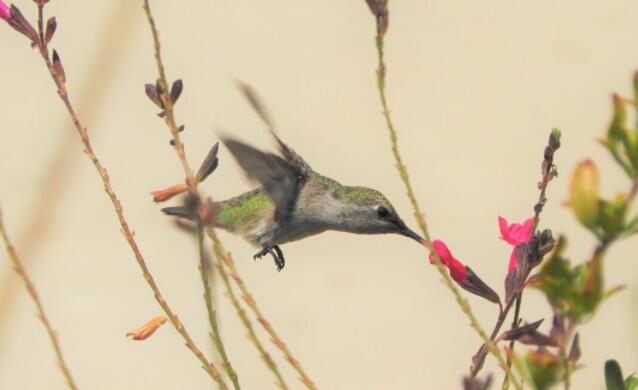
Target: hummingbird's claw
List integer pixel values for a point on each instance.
(275, 252)
(279, 259)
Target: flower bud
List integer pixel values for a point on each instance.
(584, 194)
(5, 11)
(147, 330)
(169, 192)
(541, 369)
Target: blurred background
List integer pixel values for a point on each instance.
(474, 88)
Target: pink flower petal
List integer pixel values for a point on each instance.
(457, 269)
(515, 233)
(442, 250)
(5, 11)
(503, 227)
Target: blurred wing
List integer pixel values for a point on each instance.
(293, 159)
(280, 177)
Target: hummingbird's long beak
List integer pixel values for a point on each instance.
(406, 231)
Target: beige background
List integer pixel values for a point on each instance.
(475, 88)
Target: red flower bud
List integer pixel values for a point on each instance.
(461, 274)
(515, 234)
(457, 269)
(5, 11)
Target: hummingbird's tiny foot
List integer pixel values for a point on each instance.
(280, 262)
(261, 253)
(276, 254)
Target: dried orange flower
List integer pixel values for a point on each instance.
(167, 193)
(147, 329)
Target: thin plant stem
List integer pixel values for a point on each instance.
(21, 271)
(252, 304)
(169, 120)
(548, 175)
(515, 321)
(205, 271)
(226, 259)
(97, 82)
(403, 173)
(117, 205)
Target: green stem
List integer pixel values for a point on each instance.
(205, 271)
(117, 206)
(169, 120)
(252, 304)
(21, 271)
(223, 258)
(403, 173)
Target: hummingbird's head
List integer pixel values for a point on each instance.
(369, 212)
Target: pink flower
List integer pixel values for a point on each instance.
(457, 269)
(5, 11)
(464, 276)
(515, 234)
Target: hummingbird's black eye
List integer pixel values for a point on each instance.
(382, 212)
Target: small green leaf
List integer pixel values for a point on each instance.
(631, 383)
(541, 369)
(613, 376)
(572, 291)
(556, 279)
(592, 292)
(612, 216)
(620, 142)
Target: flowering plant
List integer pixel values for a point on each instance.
(574, 292)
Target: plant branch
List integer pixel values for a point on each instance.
(252, 304)
(403, 173)
(21, 271)
(114, 42)
(225, 258)
(59, 80)
(204, 267)
(169, 118)
(548, 173)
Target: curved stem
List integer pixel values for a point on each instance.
(224, 258)
(115, 40)
(252, 304)
(403, 173)
(117, 205)
(205, 271)
(21, 271)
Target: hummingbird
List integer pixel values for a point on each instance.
(293, 201)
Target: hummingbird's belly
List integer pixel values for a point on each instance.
(268, 234)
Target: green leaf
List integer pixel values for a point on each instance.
(613, 376)
(556, 279)
(572, 291)
(620, 142)
(631, 383)
(612, 216)
(541, 369)
(592, 292)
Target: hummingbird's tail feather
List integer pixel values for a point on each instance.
(181, 212)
